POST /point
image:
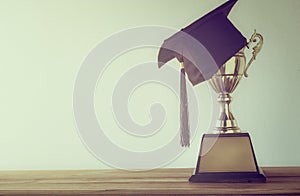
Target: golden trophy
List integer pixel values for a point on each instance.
(212, 49)
(226, 154)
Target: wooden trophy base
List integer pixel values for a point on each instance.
(227, 158)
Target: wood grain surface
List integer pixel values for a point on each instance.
(280, 180)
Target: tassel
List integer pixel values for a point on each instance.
(184, 118)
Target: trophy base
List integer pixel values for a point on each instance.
(227, 158)
(240, 177)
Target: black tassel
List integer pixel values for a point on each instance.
(184, 117)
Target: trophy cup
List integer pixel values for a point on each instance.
(226, 154)
(225, 81)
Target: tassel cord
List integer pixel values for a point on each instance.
(184, 117)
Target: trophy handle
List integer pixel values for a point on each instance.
(256, 48)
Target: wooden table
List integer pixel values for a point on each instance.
(160, 181)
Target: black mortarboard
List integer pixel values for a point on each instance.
(202, 48)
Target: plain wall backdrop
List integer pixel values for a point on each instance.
(42, 46)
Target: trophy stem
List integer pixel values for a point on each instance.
(226, 122)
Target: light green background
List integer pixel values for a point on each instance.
(43, 43)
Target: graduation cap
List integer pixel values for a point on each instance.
(201, 48)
